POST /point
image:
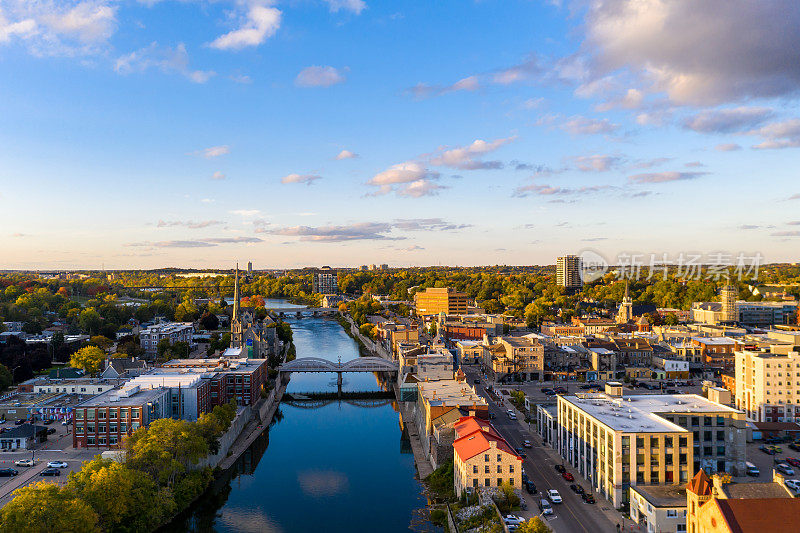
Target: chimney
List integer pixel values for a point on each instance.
(492, 444)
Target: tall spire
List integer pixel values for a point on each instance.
(236, 294)
(627, 295)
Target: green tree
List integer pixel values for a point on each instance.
(5, 378)
(47, 508)
(90, 321)
(166, 449)
(89, 358)
(101, 342)
(534, 525)
(126, 500)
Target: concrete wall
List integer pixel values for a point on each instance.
(243, 416)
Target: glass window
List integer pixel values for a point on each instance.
(90, 414)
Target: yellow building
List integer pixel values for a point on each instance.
(616, 443)
(440, 300)
(482, 458)
(768, 385)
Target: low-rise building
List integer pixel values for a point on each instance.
(659, 508)
(470, 352)
(434, 301)
(172, 331)
(482, 458)
(717, 352)
(547, 423)
(22, 437)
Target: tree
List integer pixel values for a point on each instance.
(120, 496)
(104, 343)
(209, 321)
(89, 358)
(90, 321)
(166, 449)
(5, 378)
(46, 508)
(534, 525)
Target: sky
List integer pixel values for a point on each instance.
(197, 134)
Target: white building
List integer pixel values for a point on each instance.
(172, 331)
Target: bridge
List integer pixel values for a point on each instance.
(301, 311)
(360, 364)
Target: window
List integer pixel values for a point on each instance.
(112, 414)
(112, 440)
(474, 469)
(90, 441)
(511, 469)
(90, 428)
(79, 430)
(90, 414)
(499, 469)
(511, 480)
(499, 481)
(486, 469)
(101, 413)
(672, 513)
(487, 482)
(102, 441)
(486, 457)
(706, 420)
(102, 429)
(499, 458)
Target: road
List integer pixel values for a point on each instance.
(573, 515)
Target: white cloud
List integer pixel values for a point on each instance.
(260, 23)
(354, 6)
(246, 213)
(352, 232)
(466, 157)
(163, 58)
(420, 188)
(664, 177)
(731, 120)
(579, 125)
(191, 224)
(705, 52)
(213, 151)
(784, 134)
(596, 163)
(727, 147)
(308, 179)
(346, 154)
(406, 179)
(218, 176)
(319, 76)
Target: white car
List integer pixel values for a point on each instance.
(57, 464)
(793, 484)
(65, 422)
(511, 519)
(24, 462)
(785, 469)
(526, 443)
(554, 496)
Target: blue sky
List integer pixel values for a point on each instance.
(199, 133)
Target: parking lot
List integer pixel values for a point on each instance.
(765, 462)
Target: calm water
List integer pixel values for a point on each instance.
(332, 468)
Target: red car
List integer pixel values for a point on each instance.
(567, 476)
(792, 461)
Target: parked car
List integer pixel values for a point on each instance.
(550, 393)
(527, 444)
(672, 391)
(577, 489)
(587, 497)
(57, 464)
(776, 449)
(512, 416)
(586, 387)
(546, 390)
(521, 453)
(560, 469)
(8, 472)
(50, 431)
(785, 469)
(567, 476)
(476, 381)
(47, 422)
(545, 507)
(766, 450)
(50, 472)
(792, 461)
(512, 519)
(19, 422)
(795, 446)
(24, 462)
(530, 487)
(554, 496)
(793, 484)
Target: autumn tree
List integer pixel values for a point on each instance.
(46, 508)
(534, 525)
(89, 358)
(101, 342)
(166, 449)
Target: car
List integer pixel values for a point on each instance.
(672, 391)
(521, 453)
(50, 472)
(587, 497)
(792, 461)
(586, 387)
(793, 484)
(567, 476)
(545, 507)
(554, 496)
(550, 393)
(776, 449)
(526, 443)
(66, 422)
(512, 416)
(560, 469)
(47, 422)
(50, 431)
(57, 464)
(24, 462)
(783, 468)
(530, 487)
(524, 477)
(512, 519)
(577, 489)
(8, 472)
(546, 390)
(492, 416)
(766, 450)
(795, 446)
(476, 381)
(19, 422)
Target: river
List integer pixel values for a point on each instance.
(334, 468)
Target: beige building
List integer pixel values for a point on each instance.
(568, 272)
(482, 458)
(434, 301)
(618, 442)
(768, 385)
(659, 508)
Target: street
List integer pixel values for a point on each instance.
(571, 516)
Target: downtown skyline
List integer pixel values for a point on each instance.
(144, 134)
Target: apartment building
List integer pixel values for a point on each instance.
(482, 458)
(172, 331)
(470, 352)
(230, 377)
(568, 272)
(434, 301)
(716, 352)
(617, 443)
(768, 385)
(325, 281)
(659, 508)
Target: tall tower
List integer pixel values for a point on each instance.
(727, 296)
(625, 312)
(236, 324)
(568, 272)
(236, 293)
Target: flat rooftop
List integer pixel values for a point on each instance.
(663, 495)
(217, 364)
(640, 413)
(449, 392)
(114, 398)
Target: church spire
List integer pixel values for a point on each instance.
(236, 294)
(627, 294)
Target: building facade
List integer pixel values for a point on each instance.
(325, 281)
(172, 331)
(482, 458)
(768, 385)
(568, 272)
(434, 301)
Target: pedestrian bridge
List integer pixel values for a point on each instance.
(360, 364)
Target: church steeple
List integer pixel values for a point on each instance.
(236, 294)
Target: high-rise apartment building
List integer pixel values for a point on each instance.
(434, 301)
(568, 272)
(324, 281)
(768, 385)
(727, 296)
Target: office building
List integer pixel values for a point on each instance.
(324, 281)
(434, 301)
(568, 272)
